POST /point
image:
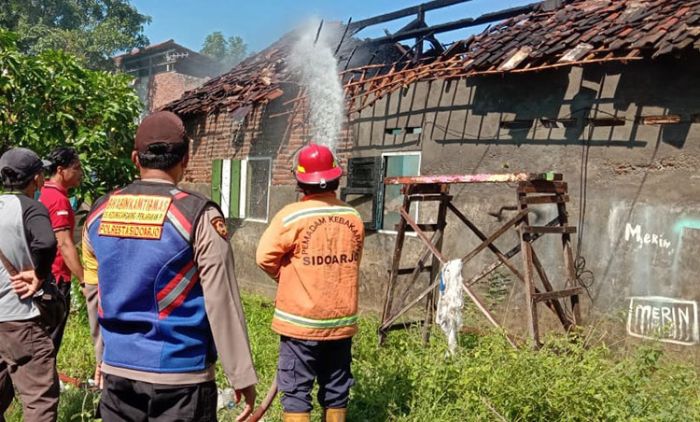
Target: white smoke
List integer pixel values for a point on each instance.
(318, 70)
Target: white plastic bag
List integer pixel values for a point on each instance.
(450, 302)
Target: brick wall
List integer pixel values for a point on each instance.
(217, 136)
(297, 132)
(169, 86)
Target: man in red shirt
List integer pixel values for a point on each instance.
(65, 173)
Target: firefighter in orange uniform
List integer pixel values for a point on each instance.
(313, 248)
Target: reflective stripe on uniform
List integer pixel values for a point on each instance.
(315, 323)
(173, 294)
(179, 223)
(313, 212)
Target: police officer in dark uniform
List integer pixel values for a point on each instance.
(167, 291)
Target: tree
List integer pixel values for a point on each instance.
(93, 30)
(50, 99)
(228, 52)
(215, 46)
(237, 50)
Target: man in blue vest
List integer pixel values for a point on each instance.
(168, 297)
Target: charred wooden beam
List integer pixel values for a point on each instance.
(462, 23)
(388, 17)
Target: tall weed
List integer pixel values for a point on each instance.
(487, 380)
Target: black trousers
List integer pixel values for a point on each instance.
(303, 361)
(128, 400)
(57, 333)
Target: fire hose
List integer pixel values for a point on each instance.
(259, 412)
(77, 383)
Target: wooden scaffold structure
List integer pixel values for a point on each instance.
(532, 189)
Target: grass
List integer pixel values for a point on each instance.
(486, 381)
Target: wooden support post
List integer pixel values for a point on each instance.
(553, 305)
(398, 248)
(529, 279)
(561, 313)
(389, 321)
(421, 264)
(422, 236)
(510, 254)
(431, 302)
(504, 228)
(569, 260)
(503, 258)
(537, 189)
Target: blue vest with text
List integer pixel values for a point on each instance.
(151, 309)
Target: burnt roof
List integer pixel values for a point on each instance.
(585, 29)
(260, 78)
(578, 32)
(254, 79)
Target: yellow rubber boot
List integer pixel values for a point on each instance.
(335, 415)
(296, 417)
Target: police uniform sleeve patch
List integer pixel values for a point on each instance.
(220, 226)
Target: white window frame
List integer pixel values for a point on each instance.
(420, 163)
(225, 187)
(243, 205)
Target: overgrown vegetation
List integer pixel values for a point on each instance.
(486, 381)
(50, 99)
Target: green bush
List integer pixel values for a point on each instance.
(50, 99)
(486, 381)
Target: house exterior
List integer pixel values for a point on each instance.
(163, 72)
(604, 92)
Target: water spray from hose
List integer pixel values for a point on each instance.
(312, 57)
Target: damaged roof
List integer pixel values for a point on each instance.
(576, 33)
(253, 80)
(584, 30)
(579, 32)
(261, 77)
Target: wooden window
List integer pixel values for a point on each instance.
(242, 187)
(225, 186)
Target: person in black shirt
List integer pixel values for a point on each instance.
(27, 249)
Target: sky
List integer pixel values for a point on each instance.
(262, 22)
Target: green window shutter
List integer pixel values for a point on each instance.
(216, 181)
(235, 190)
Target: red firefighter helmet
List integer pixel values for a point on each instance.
(316, 165)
